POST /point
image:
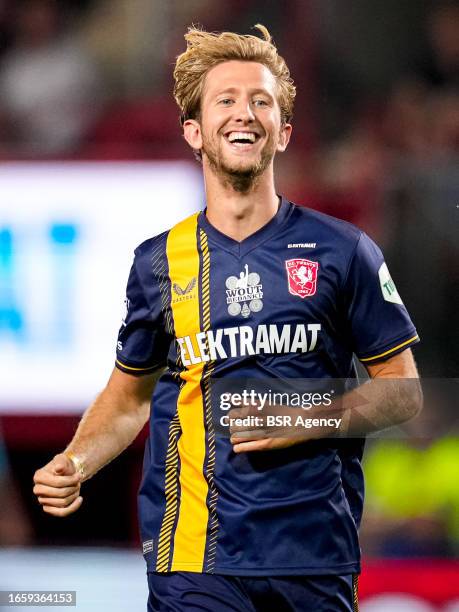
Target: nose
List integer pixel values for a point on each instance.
(244, 112)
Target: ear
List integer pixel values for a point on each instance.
(192, 133)
(284, 136)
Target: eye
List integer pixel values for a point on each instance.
(225, 101)
(260, 102)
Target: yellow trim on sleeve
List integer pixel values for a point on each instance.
(391, 350)
(129, 367)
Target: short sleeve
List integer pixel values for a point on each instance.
(142, 343)
(378, 322)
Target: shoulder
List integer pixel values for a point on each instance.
(146, 249)
(326, 225)
(155, 247)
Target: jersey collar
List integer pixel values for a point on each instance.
(252, 241)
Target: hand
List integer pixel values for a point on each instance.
(57, 486)
(258, 435)
(246, 444)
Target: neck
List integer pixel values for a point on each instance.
(237, 214)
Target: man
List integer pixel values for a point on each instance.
(257, 521)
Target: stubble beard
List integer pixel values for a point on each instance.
(242, 180)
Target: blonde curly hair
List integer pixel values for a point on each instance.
(207, 49)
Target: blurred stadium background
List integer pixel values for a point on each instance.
(92, 162)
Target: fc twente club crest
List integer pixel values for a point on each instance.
(302, 277)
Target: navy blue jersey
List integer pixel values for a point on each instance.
(296, 299)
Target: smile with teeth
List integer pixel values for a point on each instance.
(242, 139)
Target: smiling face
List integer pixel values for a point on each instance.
(240, 126)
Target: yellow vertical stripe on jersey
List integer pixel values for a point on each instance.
(211, 451)
(171, 480)
(191, 531)
(355, 593)
(172, 497)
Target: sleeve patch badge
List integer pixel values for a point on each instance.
(126, 311)
(388, 288)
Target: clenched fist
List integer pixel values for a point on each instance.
(57, 486)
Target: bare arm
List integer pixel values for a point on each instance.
(113, 421)
(108, 426)
(393, 396)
